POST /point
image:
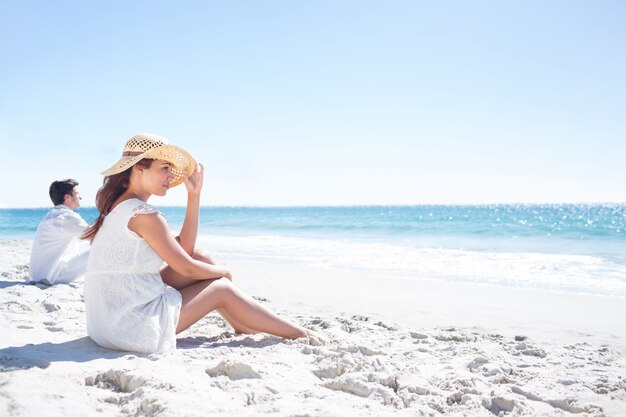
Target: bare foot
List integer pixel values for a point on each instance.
(316, 339)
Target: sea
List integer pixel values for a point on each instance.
(578, 248)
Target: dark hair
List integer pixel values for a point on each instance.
(59, 189)
(113, 186)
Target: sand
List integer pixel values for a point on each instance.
(393, 347)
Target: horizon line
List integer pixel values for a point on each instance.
(601, 203)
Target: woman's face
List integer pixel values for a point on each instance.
(157, 178)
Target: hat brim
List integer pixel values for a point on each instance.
(183, 164)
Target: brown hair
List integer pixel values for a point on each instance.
(59, 189)
(112, 188)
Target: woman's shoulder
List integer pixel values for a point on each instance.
(143, 208)
(133, 207)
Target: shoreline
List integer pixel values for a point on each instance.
(396, 347)
(429, 303)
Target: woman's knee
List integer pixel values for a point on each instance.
(222, 288)
(203, 255)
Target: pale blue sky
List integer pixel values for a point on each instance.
(322, 102)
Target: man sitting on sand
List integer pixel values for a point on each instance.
(58, 255)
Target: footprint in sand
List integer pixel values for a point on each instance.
(116, 381)
(418, 336)
(55, 329)
(347, 325)
(569, 405)
(233, 370)
(51, 326)
(128, 393)
(14, 307)
(485, 367)
(390, 327)
(318, 322)
(528, 350)
(50, 307)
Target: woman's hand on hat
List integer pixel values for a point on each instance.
(193, 183)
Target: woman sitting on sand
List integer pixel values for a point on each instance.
(134, 304)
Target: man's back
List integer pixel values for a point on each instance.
(56, 248)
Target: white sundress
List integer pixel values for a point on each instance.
(127, 304)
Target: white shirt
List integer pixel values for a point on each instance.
(58, 255)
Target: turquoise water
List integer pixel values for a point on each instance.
(580, 248)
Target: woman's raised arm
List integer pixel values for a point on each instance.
(189, 231)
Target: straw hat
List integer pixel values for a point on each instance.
(147, 145)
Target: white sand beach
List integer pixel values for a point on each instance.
(394, 347)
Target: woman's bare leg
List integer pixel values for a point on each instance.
(176, 280)
(205, 296)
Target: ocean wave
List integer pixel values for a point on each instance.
(533, 270)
